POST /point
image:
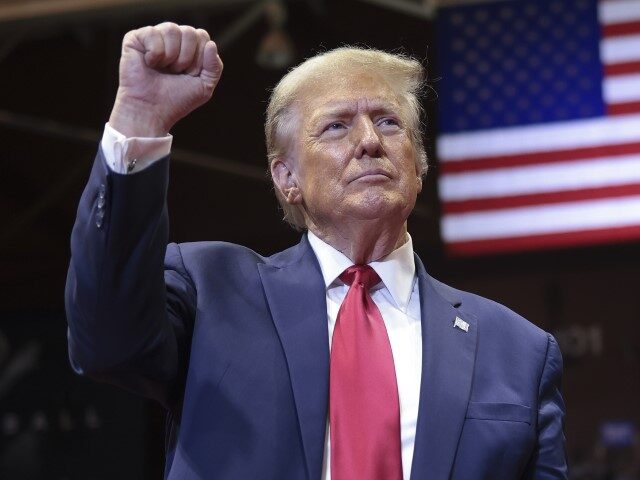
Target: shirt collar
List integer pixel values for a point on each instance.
(396, 270)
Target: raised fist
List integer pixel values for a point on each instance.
(166, 72)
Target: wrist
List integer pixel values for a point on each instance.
(135, 118)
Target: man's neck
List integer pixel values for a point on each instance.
(362, 242)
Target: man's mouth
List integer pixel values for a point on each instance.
(371, 175)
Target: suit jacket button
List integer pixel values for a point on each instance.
(99, 217)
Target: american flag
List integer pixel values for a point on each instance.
(539, 124)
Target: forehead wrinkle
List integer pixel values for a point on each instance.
(341, 107)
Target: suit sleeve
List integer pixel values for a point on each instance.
(549, 460)
(129, 315)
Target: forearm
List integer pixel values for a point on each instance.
(116, 295)
(129, 323)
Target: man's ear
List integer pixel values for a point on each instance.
(284, 180)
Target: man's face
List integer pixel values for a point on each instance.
(352, 156)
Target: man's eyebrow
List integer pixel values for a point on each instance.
(334, 110)
(345, 107)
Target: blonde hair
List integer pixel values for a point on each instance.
(405, 75)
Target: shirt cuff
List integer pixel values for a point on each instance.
(129, 155)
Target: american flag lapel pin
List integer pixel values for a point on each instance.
(461, 324)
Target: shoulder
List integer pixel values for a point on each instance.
(496, 322)
(509, 347)
(212, 251)
(218, 256)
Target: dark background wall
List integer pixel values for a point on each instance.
(58, 77)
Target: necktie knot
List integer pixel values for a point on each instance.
(362, 274)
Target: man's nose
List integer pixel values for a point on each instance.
(368, 140)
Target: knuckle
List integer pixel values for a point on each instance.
(187, 29)
(133, 34)
(150, 33)
(203, 34)
(167, 25)
(170, 30)
(188, 33)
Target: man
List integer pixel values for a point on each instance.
(426, 381)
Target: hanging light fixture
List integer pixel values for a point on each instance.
(276, 50)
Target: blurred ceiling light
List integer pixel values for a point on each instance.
(276, 50)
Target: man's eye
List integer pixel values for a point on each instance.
(385, 122)
(335, 126)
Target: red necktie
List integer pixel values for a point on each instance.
(364, 411)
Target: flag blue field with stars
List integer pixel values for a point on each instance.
(539, 124)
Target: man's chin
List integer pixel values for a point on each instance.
(378, 207)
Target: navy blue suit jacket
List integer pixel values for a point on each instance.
(235, 346)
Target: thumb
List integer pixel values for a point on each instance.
(211, 65)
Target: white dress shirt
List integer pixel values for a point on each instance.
(130, 155)
(396, 296)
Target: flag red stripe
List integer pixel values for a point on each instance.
(625, 28)
(506, 161)
(564, 196)
(624, 68)
(623, 108)
(547, 241)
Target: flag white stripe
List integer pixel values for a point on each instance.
(609, 171)
(622, 88)
(544, 178)
(618, 11)
(620, 49)
(545, 219)
(591, 132)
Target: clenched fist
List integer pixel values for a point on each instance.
(166, 72)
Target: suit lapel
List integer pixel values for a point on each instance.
(296, 295)
(448, 356)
